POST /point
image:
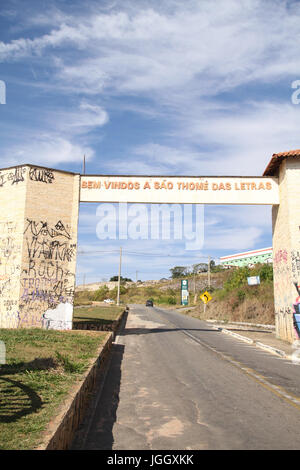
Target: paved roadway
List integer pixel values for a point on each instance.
(176, 383)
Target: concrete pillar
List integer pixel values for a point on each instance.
(286, 244)
(38, 241)
(13, 198)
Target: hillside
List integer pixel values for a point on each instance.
(232, 298)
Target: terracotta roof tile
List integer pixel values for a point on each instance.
(277, 159)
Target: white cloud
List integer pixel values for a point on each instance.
(156, 158)
(79, 120)
(236, 239)
(238, 216)
(59, 136)
(245, 139)
(180, 57)
(202, 46)
(45, 149)
(236, 143)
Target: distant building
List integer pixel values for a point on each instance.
(248, 258)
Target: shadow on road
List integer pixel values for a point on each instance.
(145, 331)
(96, 431)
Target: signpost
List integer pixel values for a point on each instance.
(184, 292)
(205, 297)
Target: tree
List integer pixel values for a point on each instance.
(122, 279)
(200, 268)
(178, 271)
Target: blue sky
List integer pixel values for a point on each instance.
(148, 87)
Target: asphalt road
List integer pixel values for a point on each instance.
(176, 383)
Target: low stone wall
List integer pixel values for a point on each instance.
(61, 431)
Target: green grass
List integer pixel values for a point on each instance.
(41, 367)
(101, 314)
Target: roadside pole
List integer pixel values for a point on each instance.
(119, 278)
(208, 272)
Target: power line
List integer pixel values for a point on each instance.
(140, 253)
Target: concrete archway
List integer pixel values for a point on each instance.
(39, 219)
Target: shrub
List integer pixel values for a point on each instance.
(101, 293)
(84, 297)
(237, 278)
(264, 271)
(241, 294)
(114, 292)
(207, 288)
(151, 291)
(171, 292)
(220, 294)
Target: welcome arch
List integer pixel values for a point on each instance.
(39, 220)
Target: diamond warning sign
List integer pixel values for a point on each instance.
(205, 297)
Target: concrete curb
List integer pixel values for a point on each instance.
(235, 335)
(237, 323)
(271, 349)
(60, 432)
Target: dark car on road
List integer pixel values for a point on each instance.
(149, 303)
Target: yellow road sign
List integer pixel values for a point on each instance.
(205, 297)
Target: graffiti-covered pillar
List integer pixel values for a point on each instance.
(13, 201)
(286, 244)
(39, 271)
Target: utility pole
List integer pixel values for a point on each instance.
(195, 297)
(83, 169)
(208, 272)
(119, 278)
(136, 276)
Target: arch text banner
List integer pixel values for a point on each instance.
(180, 189)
